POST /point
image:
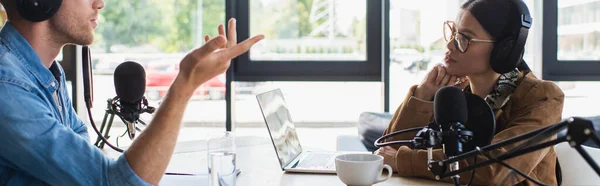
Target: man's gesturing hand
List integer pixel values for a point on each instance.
(212, 59)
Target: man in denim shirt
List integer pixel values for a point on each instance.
(42, 142)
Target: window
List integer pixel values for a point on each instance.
(157, 34)
(578, 30)
(571, 40)
(318, 40)
(571, 44)
(324, 55)
(309, 30)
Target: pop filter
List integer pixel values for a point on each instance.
(481, 122)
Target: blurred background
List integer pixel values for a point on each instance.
(158, 33)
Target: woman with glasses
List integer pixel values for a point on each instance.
(479, 41)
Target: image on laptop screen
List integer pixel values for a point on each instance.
(280, 126)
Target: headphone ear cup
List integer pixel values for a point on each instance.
(37, 10)
(500, 54)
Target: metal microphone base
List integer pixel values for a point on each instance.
(109, 112)
(455, 178)
(107, 122)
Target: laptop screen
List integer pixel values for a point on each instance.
(280, 126)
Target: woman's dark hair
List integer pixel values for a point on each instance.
(500, 18)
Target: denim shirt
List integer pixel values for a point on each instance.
(42, 141)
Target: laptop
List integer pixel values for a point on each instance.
(292, 157)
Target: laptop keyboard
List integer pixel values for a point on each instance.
(317, 160)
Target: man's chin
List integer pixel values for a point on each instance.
(83, 41)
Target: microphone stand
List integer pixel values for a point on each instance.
(578, 131)
(108, 112)
(454, 137)
(111, 111)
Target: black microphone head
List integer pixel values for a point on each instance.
(130, 82)
(449, 106)
(482, 122)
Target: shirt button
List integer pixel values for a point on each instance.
(53, 84)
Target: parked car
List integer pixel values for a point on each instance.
(434, 59)
(410, 59)
(160, 75)
(105, 66)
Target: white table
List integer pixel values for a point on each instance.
(258, 162)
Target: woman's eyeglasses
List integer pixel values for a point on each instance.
(461, 42)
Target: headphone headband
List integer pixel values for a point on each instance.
(508, 54)
(526, 21)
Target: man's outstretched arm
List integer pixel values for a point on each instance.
(151, 152)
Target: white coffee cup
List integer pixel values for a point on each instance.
(361, 169)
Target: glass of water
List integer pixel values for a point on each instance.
(221, 160)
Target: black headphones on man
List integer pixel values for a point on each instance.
(508, 52)
(37, 10)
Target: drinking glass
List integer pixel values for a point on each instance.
(221, 160)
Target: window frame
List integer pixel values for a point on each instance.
(562, 70)
(370, 69)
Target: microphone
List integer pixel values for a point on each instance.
(449, 105)
(451, 113)
(130, 85)
(579, 130)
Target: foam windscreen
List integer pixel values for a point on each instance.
(449, 106)
(130, 82)
(482, 122)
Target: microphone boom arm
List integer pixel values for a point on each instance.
(578, 131)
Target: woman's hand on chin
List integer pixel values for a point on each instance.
(436, 79)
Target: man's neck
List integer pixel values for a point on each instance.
(39, 37)
(483, 84)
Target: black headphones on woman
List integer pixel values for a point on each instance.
(37, 10)
(508, 51)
